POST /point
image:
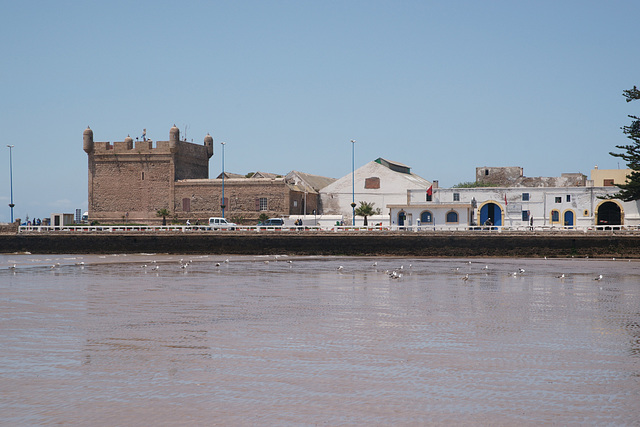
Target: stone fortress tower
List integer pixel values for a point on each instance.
(131, 181)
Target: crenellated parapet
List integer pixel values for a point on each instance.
(173, 146)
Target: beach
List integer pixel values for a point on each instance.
(159, 339)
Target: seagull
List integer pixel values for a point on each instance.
(217, 264)
(340, 268)
(155, 267)
(599, 277)
(375, 264)
(521, 270)
(486, 267)
(560, 276)
(143, 266)
(465, 277)
(226, 261)
(13, 267)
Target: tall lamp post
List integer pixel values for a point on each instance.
(11, 205)
(353, 182)
(222, 205)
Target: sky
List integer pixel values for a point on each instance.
(441, 86)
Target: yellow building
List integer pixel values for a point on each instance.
(609, 177)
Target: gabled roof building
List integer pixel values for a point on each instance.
(380, 181)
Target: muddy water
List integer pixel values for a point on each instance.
(249, 342)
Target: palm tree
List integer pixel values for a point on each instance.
(164, 213)
(366, 209)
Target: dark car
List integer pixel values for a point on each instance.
(272, 222)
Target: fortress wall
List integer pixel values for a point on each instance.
(475, 244)
(191, 161)
(129, 183)
(241, 194)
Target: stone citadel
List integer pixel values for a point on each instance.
(130, 181)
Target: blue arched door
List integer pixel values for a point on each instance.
(491, 212)
(401, 218)
(568, 219)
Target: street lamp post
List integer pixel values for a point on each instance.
(353, 183)
(11, 205)
(222, 205)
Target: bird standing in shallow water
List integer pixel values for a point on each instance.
(599, 277)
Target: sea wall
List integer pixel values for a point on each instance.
(310, 243)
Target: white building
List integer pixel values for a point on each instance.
(516, 207)
(381, 182)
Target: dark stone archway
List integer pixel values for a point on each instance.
(609, 214)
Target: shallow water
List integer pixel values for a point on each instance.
(102, 340)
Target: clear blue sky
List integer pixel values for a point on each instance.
(440, 86)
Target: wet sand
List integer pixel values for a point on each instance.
(102, 340)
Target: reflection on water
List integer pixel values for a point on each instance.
(160, 340)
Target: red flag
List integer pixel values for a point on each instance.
(430, 191)
(505, 199)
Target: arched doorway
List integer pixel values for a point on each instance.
(492, 212)
(402, 217)
(568, 218)
(609, 213)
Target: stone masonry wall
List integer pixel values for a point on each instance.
(132, 184)
(242, 196)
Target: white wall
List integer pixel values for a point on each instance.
(583, 201)
(337, 197)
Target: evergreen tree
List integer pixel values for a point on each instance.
(630, 190)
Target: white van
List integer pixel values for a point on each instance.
(216, 223)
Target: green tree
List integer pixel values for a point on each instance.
(164, 213)
(366, 209)
(630, 190)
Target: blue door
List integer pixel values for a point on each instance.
(491, 212)
(568, 219)
(401, 218)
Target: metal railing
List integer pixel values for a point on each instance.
(336, 229)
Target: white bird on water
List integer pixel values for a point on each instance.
(465, 277)
(599, 277)
(560, 276)
(340, 268)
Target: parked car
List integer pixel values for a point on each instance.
(272, 222)
(221, 224)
